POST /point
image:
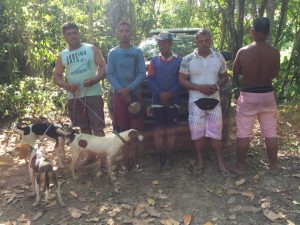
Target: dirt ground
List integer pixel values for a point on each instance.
(148, 197)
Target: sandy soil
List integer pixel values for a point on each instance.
(150, 197)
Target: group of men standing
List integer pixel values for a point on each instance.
(203, 73)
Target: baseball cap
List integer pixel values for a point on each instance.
(261, 24)
(165, 36)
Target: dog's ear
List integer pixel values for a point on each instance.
(134, 136)
(75, 130)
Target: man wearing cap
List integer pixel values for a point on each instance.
(203, 72)
(126, 71)
(259, 64)
(165, 88)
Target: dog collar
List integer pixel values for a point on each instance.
(119, 136)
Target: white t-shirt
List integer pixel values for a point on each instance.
(203, 71)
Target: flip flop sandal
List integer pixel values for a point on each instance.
(224, 173)
(197, 170)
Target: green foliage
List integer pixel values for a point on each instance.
(31, 38)
(31, 96)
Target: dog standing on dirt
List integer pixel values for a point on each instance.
(30, 134)
(40, 171)
(110, 145)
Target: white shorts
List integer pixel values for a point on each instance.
(205, 123)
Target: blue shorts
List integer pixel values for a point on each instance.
(165, 117)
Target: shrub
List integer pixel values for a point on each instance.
(33, 96)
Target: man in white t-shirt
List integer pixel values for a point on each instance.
(203, 72)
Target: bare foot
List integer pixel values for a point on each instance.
(224, 172)
(237, 172)
(274, 171)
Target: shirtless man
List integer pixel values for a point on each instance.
(259, 64)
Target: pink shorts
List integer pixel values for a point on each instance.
(205, 123)
(250, 105)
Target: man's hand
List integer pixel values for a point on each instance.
(88, 82)
(124, 92)
(208, 89)
(71, 88)
(165, 98)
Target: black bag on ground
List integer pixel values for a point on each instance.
(207, 103)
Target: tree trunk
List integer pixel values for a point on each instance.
(270, 15)
(223, 26)
(283, 12)
(294, 60)
(90, 22)
(230, 25)
(262, 8)
(240, 26)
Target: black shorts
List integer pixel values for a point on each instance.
(87, 112)
(165, 117)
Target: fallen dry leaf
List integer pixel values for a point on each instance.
(273, 216)
(232, 217)
(169, 222)
(82, 199)
(138, 212)
(112, 213)
(248, 194)
(265, 205)
(11, 198)
(99, 174)
(125, 206)
(143, 222)
(240, 182)
(51, 204)
(187, 219)
(74, 194)
(37, 216)
(63, 221)
(151, 201)
(208, 223)
(241, 208)
(155, 182)
(75, 213)
(152, 211)
(95, 219)
(116, 189)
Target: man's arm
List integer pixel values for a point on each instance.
(111, 72)
(153, 86)
(277, 64)
(141, 71)
(237, 68)
(223, 80)
(57, 77)
(100, 62)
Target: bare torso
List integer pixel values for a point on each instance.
(258, 63)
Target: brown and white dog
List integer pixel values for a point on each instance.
(110, 145)
(32, 132)
(40, 171)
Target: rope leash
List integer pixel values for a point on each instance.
(77, 97)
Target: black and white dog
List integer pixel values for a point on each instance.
(32, 132)
(40, 171)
